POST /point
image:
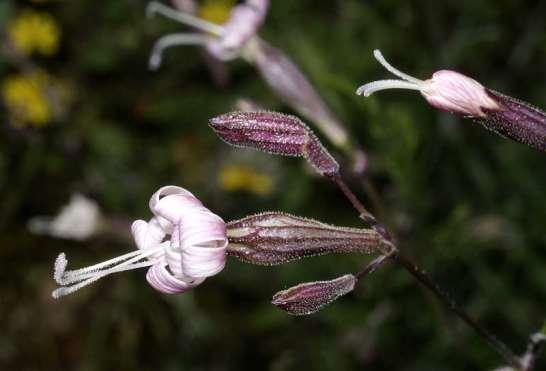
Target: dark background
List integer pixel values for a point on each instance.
(468, 205)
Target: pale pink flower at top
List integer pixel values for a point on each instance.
(183, 244)
(447, 90)
(454, 92)
(224, 42)
(238, 37)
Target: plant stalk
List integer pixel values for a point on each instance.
(420, 275)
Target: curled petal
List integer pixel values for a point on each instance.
(203, 240)
(148, 235)
(162, 280)
(310, 297)
(204, 261)
(173, 202)
(202, 228)
(199, 238)
(173, 258)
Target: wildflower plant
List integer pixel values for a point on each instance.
(184, 242)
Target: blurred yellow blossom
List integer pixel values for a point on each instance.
(33, 31)
(26, 99)
(216, 11)
(243, 178)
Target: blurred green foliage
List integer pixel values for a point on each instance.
(469, 205)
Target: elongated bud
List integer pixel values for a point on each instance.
(276, 238)
(308, 298)
(517, 120)
(287, 81)
(274, 133)
(454, 92)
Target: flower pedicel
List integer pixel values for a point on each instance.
(454, 92)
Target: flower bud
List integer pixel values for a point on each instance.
(274, 133)
(454, 92)
(276, 238)
(310, 297)
(517, 120)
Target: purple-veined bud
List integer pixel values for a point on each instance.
(517, 120)
(274, 238)
(454, 92)
(291, 86)
(274, 133)
(310, 297)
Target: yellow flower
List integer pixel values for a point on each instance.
(216, 11)
(26, 100)
(242, 178)
(33, 31)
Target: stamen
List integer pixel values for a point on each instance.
(60, 266)
(155, 7)
(61, 263)
(82, 277)
(173, 40)
(68, 289)
(370, 88)
(128, 259)
(377, 54)
(407, 82)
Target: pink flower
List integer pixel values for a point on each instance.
(224, 42)
(447, 90)
(183, 244)
(453, 92)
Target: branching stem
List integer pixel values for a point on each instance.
(420, 275)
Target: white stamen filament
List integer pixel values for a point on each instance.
(171, 40)
(76, 279)
(406, 82)
(177, 39)
(155, 7)
(370, 88)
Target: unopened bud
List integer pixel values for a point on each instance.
(276, 238)
(310, 297)
(274, 133)
(517, 120)
(454, 92)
